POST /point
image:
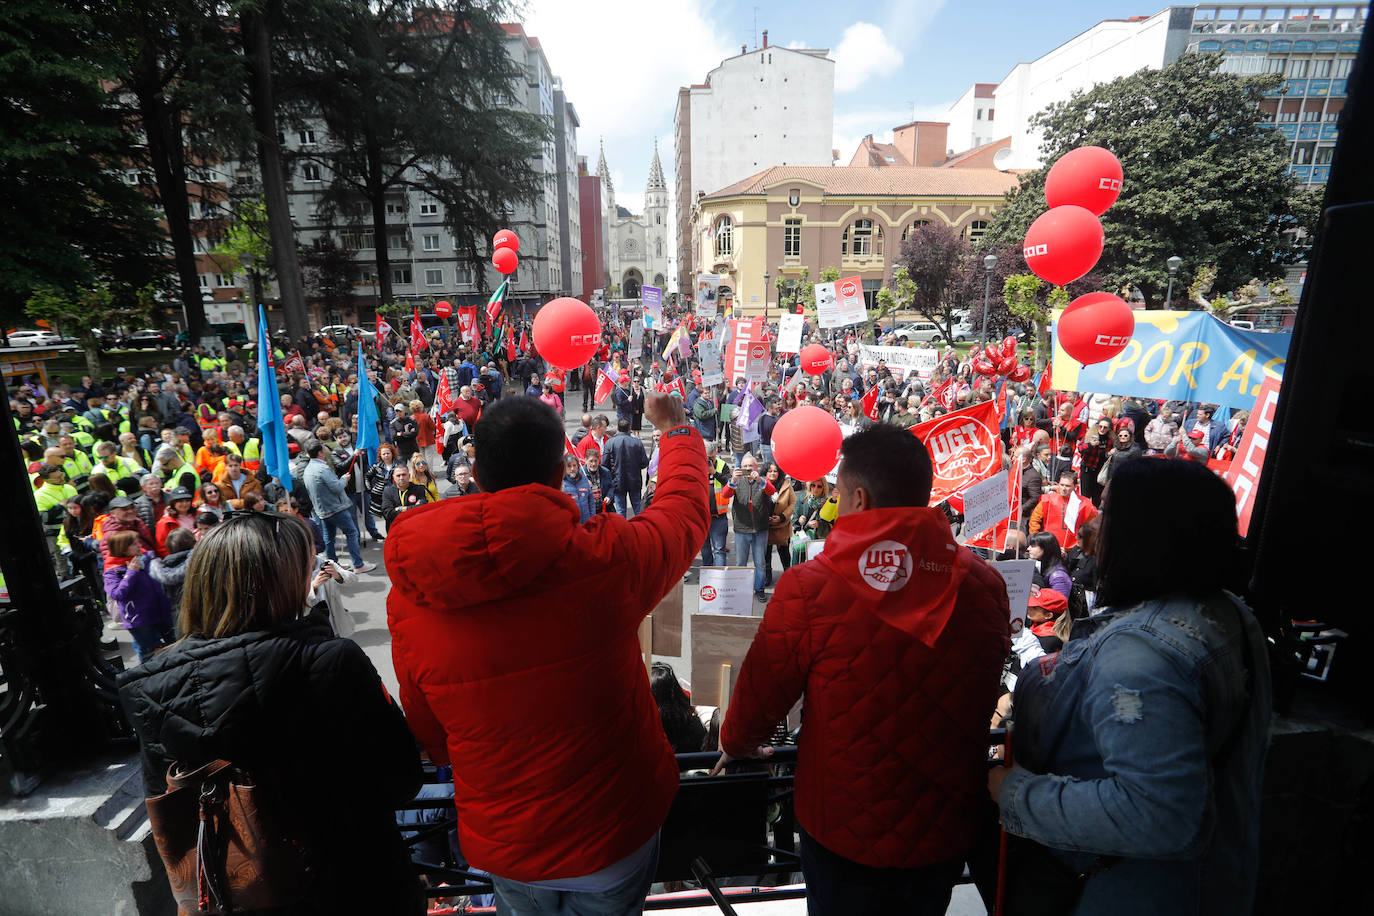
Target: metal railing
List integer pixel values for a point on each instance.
(716, 830)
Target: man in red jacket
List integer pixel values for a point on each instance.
(896, 636)
(515, 640)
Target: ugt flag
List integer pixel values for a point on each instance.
(870, 404)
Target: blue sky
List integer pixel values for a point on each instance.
(621, 61)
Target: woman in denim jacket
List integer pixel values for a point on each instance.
(1140, 746)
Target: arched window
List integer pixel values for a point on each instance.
(725, 240)
(659, 244)
(862, 239)
(911, 230)
(977, 229)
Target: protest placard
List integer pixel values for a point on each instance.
(726, 590)
(985, 503)
(636, 350)
(708, 350)
(849, 293)
(706, 300)
(827, 306)
(901, 361)
(1017, 574)
(789, 333)
(667, 616)
(814, 548)
(743, 332)
(651, 297)
(756, 366)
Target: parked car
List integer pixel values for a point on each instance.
(918, 332)
(33, 338)
(962, 332)
(146, 338)
(348, 332)
(232, 333)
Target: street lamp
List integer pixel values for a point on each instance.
(989, 265)
(765, 297)
(1174, 264)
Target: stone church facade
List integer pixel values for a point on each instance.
(637, 246)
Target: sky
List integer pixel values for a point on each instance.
(622, 61)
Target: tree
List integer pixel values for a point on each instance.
(328, 270)
(89, 308)
(247, 233)
(417, 97)
(1203, 179)
(70, 220)
(936, 259)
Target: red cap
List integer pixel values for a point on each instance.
(1050, 601)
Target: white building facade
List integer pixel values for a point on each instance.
(771, 106)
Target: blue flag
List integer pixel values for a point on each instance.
(367, 410)
(275, 456)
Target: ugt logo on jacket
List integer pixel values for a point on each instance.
(886, 566)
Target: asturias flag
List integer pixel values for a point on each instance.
(276, 458)
(494, 304)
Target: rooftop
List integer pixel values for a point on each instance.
(879, 182)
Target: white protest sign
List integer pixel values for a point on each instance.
(1071, 511)
(1017, 574)
(637, 339)
(827, 306)
(900, 360)
(728, 590)
(789, 333)
(756, 366)
(985, 503)
(814, 548)
(709, 351)
(850, 295)
(707, 287)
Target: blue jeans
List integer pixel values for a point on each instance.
(713, 551)
(151, 637)
(515, 898)
(632, 497)
(332, 525)
(753, 545)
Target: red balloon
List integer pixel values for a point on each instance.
(1021, 374)
(983, 367)
(1095, 327)
(566, 332)
(1009, 346)
(816, 359)
(505, 239)
(993, 353)
(806, 442)
(1087, 177)
(1063, 244)
(505, 260)
(1006, 365)
(443, 309)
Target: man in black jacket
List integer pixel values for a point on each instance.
(626, 458)
(401, 494)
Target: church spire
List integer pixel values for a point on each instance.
(601, 168)
(656, 182)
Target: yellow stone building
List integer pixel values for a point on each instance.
(854, 218)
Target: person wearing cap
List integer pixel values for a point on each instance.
(178, 514)
(123, 516)
(51, 498)
(1045, 612)
(1189, 447)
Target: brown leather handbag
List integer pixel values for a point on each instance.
(222, 843)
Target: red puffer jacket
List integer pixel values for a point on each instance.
(897, 636)
(515, 638)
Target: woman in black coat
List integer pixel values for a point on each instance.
(261, 684)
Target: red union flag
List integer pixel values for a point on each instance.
(294, 364)
(964, 448)
(1244, 473)
(870, 404)
(604, 384)
(467, 324)
(946, 393)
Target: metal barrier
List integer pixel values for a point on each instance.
(717, 829)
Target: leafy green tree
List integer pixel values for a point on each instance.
(936, 258)
(1203, 179)
(417, 98)
(891, 301)
(88, 308)
(70, 220)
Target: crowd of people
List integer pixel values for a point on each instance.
(152, 485)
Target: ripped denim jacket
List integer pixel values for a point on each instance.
(1145, 738)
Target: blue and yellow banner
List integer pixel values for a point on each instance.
(1185, 356)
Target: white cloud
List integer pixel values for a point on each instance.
(863, 53)
(618, 76)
